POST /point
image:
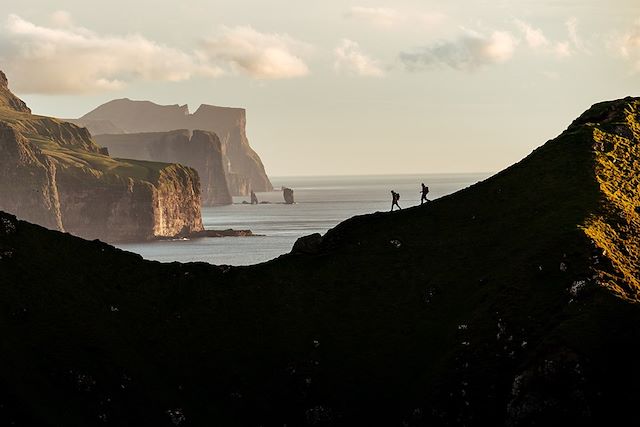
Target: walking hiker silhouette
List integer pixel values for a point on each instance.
(394, 200)
(424, 192)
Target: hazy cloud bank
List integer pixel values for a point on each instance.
(66, 58)
(470, 51)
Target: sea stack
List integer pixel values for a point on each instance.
(288, 195)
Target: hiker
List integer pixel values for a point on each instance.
(254, 198)
(424, 192)
(394, 200)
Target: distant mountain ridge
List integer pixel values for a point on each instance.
(242, 163)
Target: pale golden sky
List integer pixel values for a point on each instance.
(338, 87)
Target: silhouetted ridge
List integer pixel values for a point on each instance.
(512, 302)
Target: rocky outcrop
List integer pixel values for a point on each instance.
(287, 193)
(52, 173)
(201, 150)
(228, 123)
(8, 99)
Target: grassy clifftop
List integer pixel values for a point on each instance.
(54, 174)
(509, 303)
(74, 147)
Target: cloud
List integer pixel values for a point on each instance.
(562, 50)
(71, 59)
(260, 55)
(575, 41)
(627, 45)
(65, 58)
(572, 29)
(468, 52)
(538, 41)
(350, 58)
(379, 16)
(534, 36)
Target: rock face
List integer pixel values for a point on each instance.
(243, 167)
(53, 174)
(494, 306)
(8, 99)
(287, 193)
(202, 151)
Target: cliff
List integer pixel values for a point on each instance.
(52, 173)
(9, 100)
(228, 123)
(513, 302)
(201, 151)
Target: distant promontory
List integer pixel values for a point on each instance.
(241, 165)
(52, 173)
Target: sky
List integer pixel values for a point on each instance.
(338, 87)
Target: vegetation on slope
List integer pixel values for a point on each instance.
(73, 147)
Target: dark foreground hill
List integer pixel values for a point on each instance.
(513, 302)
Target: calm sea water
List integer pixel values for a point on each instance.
(321, 203)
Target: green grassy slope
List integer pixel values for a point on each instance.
(508, 303)
(56, 138)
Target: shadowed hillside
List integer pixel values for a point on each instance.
(512, 302)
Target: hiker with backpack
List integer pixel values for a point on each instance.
(394, 200)
(424, 192)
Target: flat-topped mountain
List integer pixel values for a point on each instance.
(513, 302)
(52, 173)
(242, 165)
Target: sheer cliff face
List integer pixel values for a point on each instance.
(201, 151)
(27, 180)
(52, 173)
(228, 123)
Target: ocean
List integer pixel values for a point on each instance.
(321, 203)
